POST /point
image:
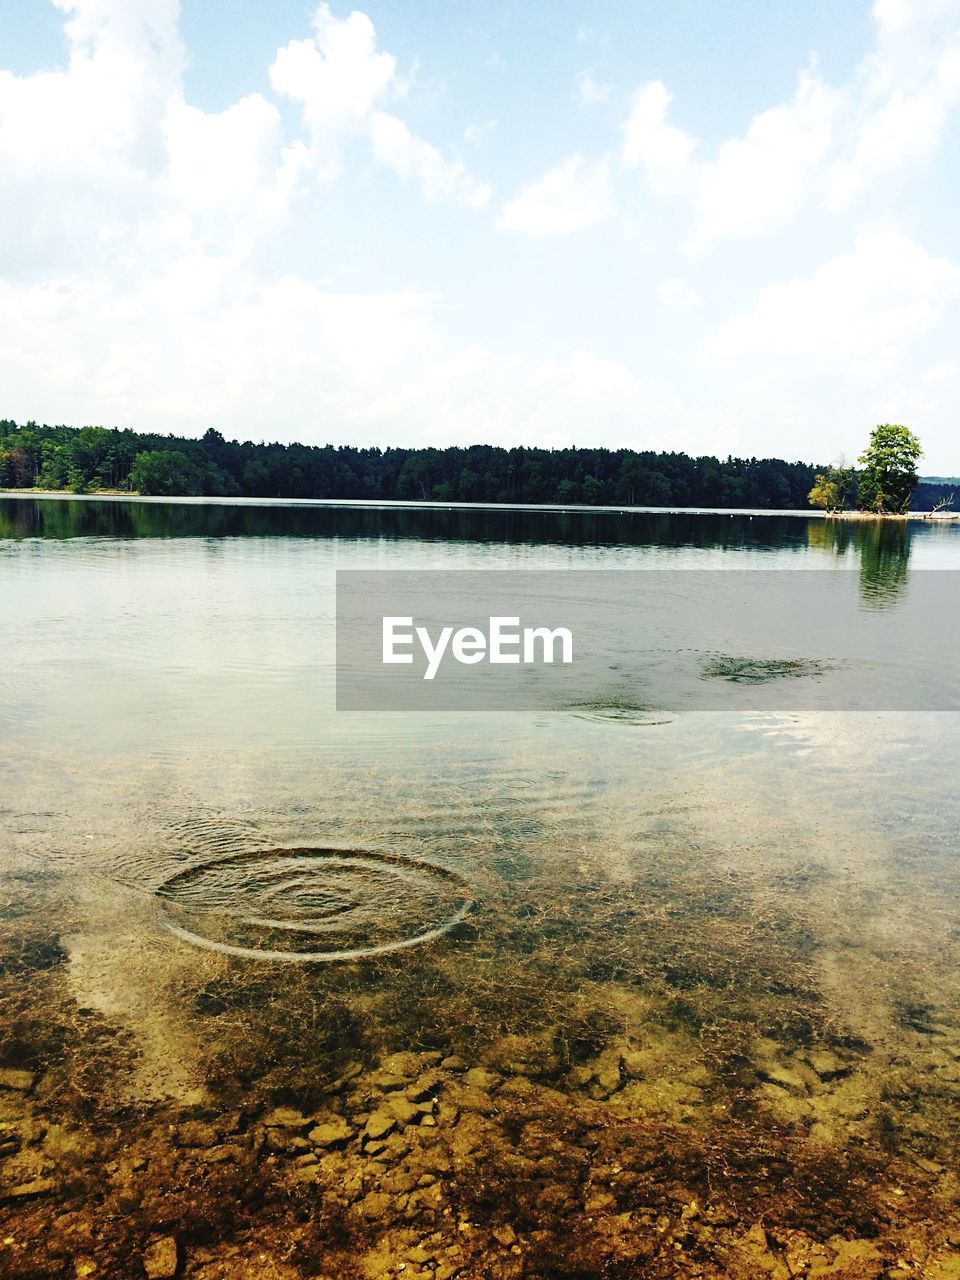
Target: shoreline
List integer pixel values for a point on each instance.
(61, 495)
(940, 518)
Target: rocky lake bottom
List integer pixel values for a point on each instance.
(650, 1076)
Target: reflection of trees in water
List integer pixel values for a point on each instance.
(63, 518)
(881, 546)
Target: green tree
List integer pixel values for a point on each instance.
(57, 465)
(889, 474)
(824, 493)
(833, 488)
(165, 472)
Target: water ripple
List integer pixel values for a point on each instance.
(312, 904)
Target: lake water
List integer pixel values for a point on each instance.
(620, 989)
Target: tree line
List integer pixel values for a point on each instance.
(90, 459)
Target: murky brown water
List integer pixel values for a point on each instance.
(684, 994)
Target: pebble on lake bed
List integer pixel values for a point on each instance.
(19, 1081)
(161, 1259)
(330, 1133)
(380, 1124)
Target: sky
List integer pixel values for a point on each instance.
(662, 224)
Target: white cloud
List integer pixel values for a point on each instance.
(395, 146)
(476, 131)
(823, 148)
(106, 162)
(865, 305)
(571, 197)
(760, 180)
(590, 93)
(340, 79)
(586, 377)
(290, 360)
(678, 295)
(945, 371)
(132, 286)
(230, 169)
(82, 147)
(905, 91)
(206, 341)
(662, 150)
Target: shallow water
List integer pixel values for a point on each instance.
(672, 974)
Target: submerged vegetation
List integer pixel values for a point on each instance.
(680, 1099)
(759, 670)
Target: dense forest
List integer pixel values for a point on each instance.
(87, 459)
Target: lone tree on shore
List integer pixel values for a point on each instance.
(889, 474)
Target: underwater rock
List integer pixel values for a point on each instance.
(827, 1064)
(853, 1260)
(468, 1099)
(350, 1073)
(480, 1078)
(945, 1268)
(29, 1190)
(160, 1259)
(288, 1140)
(67, 1146)
(380, 1124)
(330, 1133)
(473, 1133)
(608, 1072)
(285, 1118)
(13, 1078)
(401, 1109)
(752, 1257)
(526, 1056)
(378, 1205)
(447, 1113)
(194, 1133)
(427, 1086)
(229, 1153)
(407, 1064)
(783, 1077)
(389, 1081)
(11, 1137)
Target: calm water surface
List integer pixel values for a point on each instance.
(611, 988)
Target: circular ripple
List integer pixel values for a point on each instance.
(312, 904)
(614, 714)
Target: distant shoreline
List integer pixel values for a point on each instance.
(393, 504)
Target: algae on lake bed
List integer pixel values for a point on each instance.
(758, 670)
(640, 1075)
